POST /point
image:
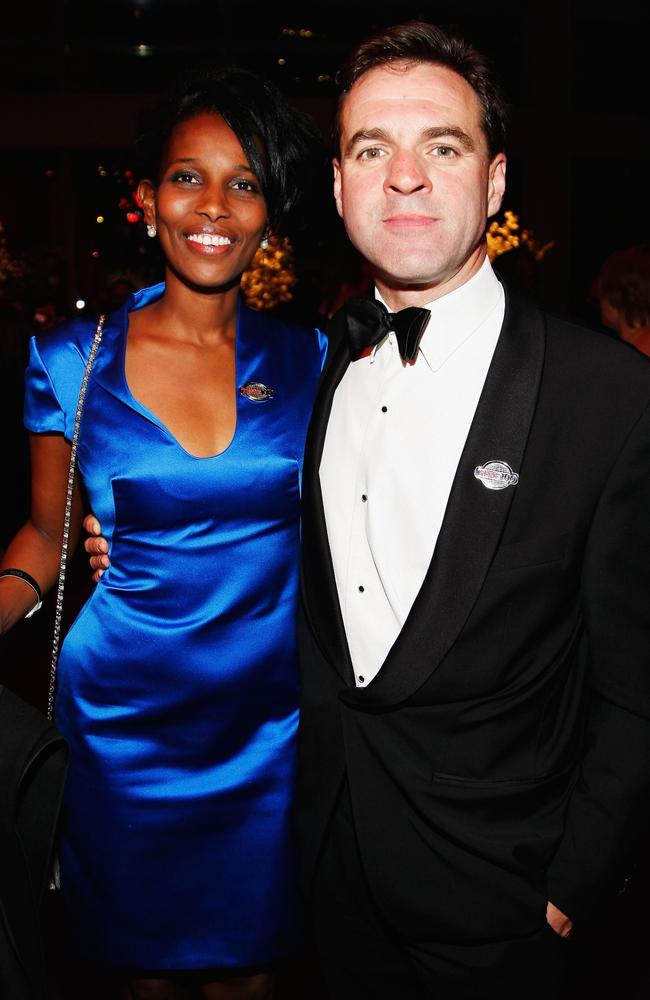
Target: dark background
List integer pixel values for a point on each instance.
(76, 82)
(77, 78)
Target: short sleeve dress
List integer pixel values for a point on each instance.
(177, 683)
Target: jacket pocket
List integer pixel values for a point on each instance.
(531, 552)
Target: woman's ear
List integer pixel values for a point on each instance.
(147, 195)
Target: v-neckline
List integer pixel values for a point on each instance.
(154, 418)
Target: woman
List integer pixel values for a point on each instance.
(177, 684)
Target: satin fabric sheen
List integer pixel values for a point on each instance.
(177, 683)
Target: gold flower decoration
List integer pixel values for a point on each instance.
(507, 235)
(270, 278)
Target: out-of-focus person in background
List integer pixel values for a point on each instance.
(622, 288)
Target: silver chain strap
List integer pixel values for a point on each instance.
(66, 520)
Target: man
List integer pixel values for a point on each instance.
(475, 735)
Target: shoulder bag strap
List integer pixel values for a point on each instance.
(66, 521)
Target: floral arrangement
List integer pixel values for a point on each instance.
(507, 235)
(270, 278)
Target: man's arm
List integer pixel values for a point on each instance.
(610, 805)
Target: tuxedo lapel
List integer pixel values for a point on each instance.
(475, 515)
(320, 596)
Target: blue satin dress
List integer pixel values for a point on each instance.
(177, 683)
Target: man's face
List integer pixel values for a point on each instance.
(414, 183)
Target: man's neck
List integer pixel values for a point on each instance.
(398, 296)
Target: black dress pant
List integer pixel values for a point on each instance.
(363, 958)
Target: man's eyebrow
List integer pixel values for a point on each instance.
(450, 132)
(366, 135)
(435, 132)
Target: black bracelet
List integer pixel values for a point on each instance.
(30, 581)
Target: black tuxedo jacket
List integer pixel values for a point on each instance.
(501, 756)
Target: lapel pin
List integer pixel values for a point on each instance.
(257, 392)
(496, 475)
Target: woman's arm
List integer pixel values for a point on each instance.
(36, 549)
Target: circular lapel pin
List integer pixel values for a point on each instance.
(496, 475)
(257, 392)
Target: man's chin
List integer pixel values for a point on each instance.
(422, 275)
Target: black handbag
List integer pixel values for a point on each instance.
(33, 765)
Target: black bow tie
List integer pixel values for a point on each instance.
(369, 321)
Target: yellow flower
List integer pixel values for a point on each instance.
(270, 278)
(501, 238)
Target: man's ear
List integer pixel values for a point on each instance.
(337, 186)
(147, 195)
(496, 183)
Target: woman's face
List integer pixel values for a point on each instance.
(208, 207)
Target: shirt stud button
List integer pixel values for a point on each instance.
(361, 680)
(384, 409)
(361, 590)
(364, 498)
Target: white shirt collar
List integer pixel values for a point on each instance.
(456, 316)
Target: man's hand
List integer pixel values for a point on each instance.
(96, 546)
(558, 921)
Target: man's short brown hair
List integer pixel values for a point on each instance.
(418, 42)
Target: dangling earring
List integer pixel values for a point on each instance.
(264, 242)
(151, 230)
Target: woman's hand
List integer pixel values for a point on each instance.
(96, 546)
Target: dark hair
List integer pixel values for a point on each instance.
(418, 42)
(624, 282)
(281, 143)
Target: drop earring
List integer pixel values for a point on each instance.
(151, 230)
(264, 242)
